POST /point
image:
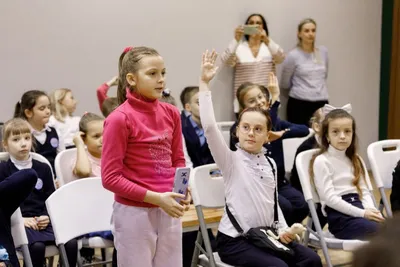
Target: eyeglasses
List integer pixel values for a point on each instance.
(245, 129)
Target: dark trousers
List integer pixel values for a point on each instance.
(240, 252)
(13, 191)
(347, 227)
(292, 203)
(301, 111)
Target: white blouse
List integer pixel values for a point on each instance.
(248, 178)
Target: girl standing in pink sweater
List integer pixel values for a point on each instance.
(142, 147)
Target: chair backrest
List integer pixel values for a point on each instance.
(80, 207)
(225, 128)
(302, 164)
(290, 146)
(207, 191)
(18, 229)
(383, 160)
(62, 164)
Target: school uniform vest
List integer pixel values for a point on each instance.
(49, 148)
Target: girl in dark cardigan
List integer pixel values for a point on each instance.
(18, 143)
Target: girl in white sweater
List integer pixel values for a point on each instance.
(339, 175)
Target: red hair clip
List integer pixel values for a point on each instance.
(127, 49)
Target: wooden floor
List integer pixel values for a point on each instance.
(337, 257)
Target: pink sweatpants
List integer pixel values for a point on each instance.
(146, 237)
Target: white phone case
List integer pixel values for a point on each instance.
(181, 182)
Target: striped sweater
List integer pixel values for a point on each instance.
(249, 68)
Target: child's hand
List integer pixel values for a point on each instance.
(168, 203)
(78, 140)
(286, 237)
(31, 223)
(208, 68)
(276, 135)
(113, 81)
(273, 85)
(2, 264)
(186, 202)
(43, 221)
(374, 215)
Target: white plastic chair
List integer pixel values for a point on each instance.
(290, 146)
(383, 157)
(20, 238)
(17, 220)
(225, 128)
(88, 209)
(62, 165)
(207, 192)
(311, 196)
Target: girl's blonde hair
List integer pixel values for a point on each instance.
(316, 52)
(316, 118)
(15, 126)
(57, 109)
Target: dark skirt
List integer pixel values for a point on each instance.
(104, 234)
(45, 236)
(348, 227)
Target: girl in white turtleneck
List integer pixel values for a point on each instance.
(339, 175)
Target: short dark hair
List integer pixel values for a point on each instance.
(187, 94)
(109, 105)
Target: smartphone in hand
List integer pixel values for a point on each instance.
(181, 182)
(250, 29)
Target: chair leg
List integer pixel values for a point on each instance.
(63, 255)
(196, 252)
(385, 203)
(320, 233)
(27, 256)
(307, 233)
(103, 255)
(51, 262)
(79, 259)
(206, 239)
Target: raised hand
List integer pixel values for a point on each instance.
(113, 81)
(78, 139)
(208, 67)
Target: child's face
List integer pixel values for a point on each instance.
(252, 132)
(340, 133)
(149, 80)
(40, 113)
(94, 138)
(69, 103)
(19, 145)
(193, 105)
(255, 98)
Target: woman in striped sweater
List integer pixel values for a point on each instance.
(254, 57)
